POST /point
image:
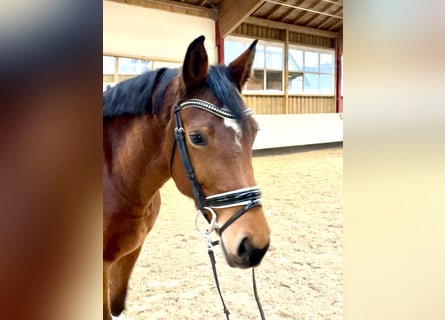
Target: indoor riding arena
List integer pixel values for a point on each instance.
(295, 92)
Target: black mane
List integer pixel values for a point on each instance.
(135, 96)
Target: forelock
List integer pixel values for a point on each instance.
(228, 96)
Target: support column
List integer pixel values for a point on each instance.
(116, 70)
(338, 65)
(219, 43)
(286, 72)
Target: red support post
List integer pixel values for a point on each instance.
(338, 63)
(219, 43)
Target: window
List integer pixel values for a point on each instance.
(274, 80)
(327, 63)
(165, 64)
(267, 67)
(257, 80)
(311, 71)
(108, 65)
(295, 60)
(132, 66)
(295, 82)
(128, 68)
(232, 49)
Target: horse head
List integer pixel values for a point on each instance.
(213, 164)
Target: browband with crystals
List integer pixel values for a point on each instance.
(210, 107)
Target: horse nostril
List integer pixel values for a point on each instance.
(249, 253)
(245, 248)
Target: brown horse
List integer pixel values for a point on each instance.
(192, 125)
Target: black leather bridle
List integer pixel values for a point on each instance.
(248, 197)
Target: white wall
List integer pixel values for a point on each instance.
(143, 32)
(298, 129)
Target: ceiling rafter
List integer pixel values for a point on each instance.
(310, 9)
(290, 11)
(324, 9)
(327, 20)
(304, 12)
(173, 6)
(272, 12)
(333, 2)
(336, 25)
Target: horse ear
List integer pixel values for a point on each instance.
(241, 68)
(196, 64)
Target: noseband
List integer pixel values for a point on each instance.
(248, 197)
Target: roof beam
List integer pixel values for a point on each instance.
(290, 10)
(275, 9)
(336, 25)
(291, 27)
(314, 17)
(328, 19)
(232, 13)
(305, 9)
(339, 3)
(173, 6)
(304, 12)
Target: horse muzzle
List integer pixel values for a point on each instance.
(247, 254)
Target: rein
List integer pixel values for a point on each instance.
(248, 197)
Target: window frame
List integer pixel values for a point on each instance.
(118, 77)
(114, 64)
(149, 64)
(319, 51)
(265, 43)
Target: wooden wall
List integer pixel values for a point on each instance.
(276, 104)
(310, 40)
(259, 32)
(107, 78)
(265, 104)
(267, 33)
(311, 104)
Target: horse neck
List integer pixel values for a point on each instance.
(137, 164)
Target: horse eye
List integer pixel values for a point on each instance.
(198, 139)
